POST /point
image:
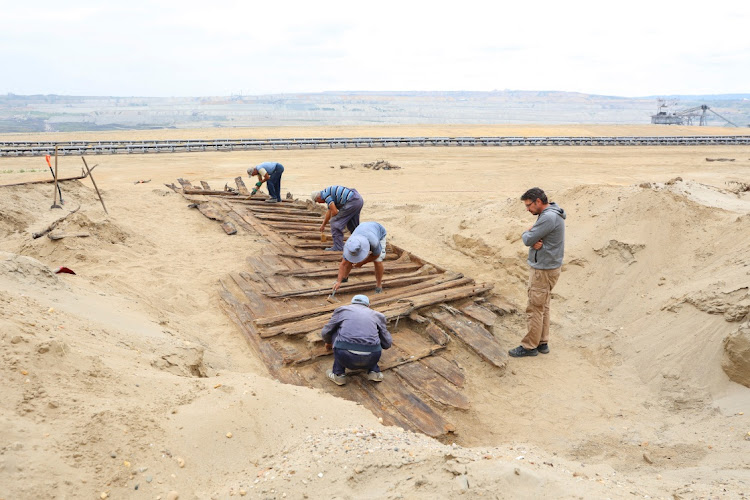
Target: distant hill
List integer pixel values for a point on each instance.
(57, 113)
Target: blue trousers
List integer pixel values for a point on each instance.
(274, 183)
(347, 218)
(343, 359)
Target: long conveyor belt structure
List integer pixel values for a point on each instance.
(41, 148)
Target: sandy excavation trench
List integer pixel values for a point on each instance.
(655, 278)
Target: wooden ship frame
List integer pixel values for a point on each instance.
(279, 302)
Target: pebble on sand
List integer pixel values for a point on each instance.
(229, 434)
(173, 495)
(180, 462)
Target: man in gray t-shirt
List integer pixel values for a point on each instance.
(546, 242)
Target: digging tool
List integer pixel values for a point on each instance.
(331, 298)
(47, 157)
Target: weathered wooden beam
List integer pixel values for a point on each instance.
(480, 314)
(351, 287)
(268, 355)
(438, 282)
(391, 311)
(425, 380)
(475, 336)
(323, 272)
(241, 188)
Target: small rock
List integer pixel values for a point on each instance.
(243, 493)
(149, 479)
(180, 462)
(358, 469)
(16, 339)
(173, 495)
(113, 455)
(517, 471)
(103, 495)
(229, 434)
(647, 458)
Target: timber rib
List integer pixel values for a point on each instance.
(277, 302)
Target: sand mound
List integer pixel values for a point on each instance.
(736, 361)
(27, 270)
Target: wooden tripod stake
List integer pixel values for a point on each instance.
(54, 203)
(94, 183)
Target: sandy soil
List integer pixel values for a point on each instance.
(127, 380)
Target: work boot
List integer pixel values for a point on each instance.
(521, 351)
(336, 379)
(543, 348)
(375, 376)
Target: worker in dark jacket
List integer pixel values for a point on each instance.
(357, 335)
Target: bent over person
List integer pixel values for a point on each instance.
(546, 242)
(366, 244)
(357, 335)
(344, 205)
(269, 172)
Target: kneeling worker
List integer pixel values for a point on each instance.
(268, 172)
(366, 244)
(357, 335)
(344, 205)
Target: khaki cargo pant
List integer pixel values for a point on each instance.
(541, 283)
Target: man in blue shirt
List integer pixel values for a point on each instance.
(268, 172)
(357, 335)
(344, 205)
(366, 244)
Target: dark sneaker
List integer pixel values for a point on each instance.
(378, 289)
(543, 348)
(521, 351)
(336, 379)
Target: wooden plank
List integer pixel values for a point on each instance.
(437, 334)
(228, 227)
(413, 408)
(325, 272)
(391, 311)
(256, 305)
(480, 314)
(241, 188)
(351, 287)
(265, 351)
(416, 345)
(425, 380)
(475, 336)
(449, 370)
(308, 217)
(436, 283)
(205, 186)
(211, 211)
(185, 184)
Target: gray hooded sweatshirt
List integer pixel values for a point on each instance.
(550, 228)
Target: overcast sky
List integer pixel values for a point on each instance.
(220, 47)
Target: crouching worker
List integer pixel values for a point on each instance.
(357, 335)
